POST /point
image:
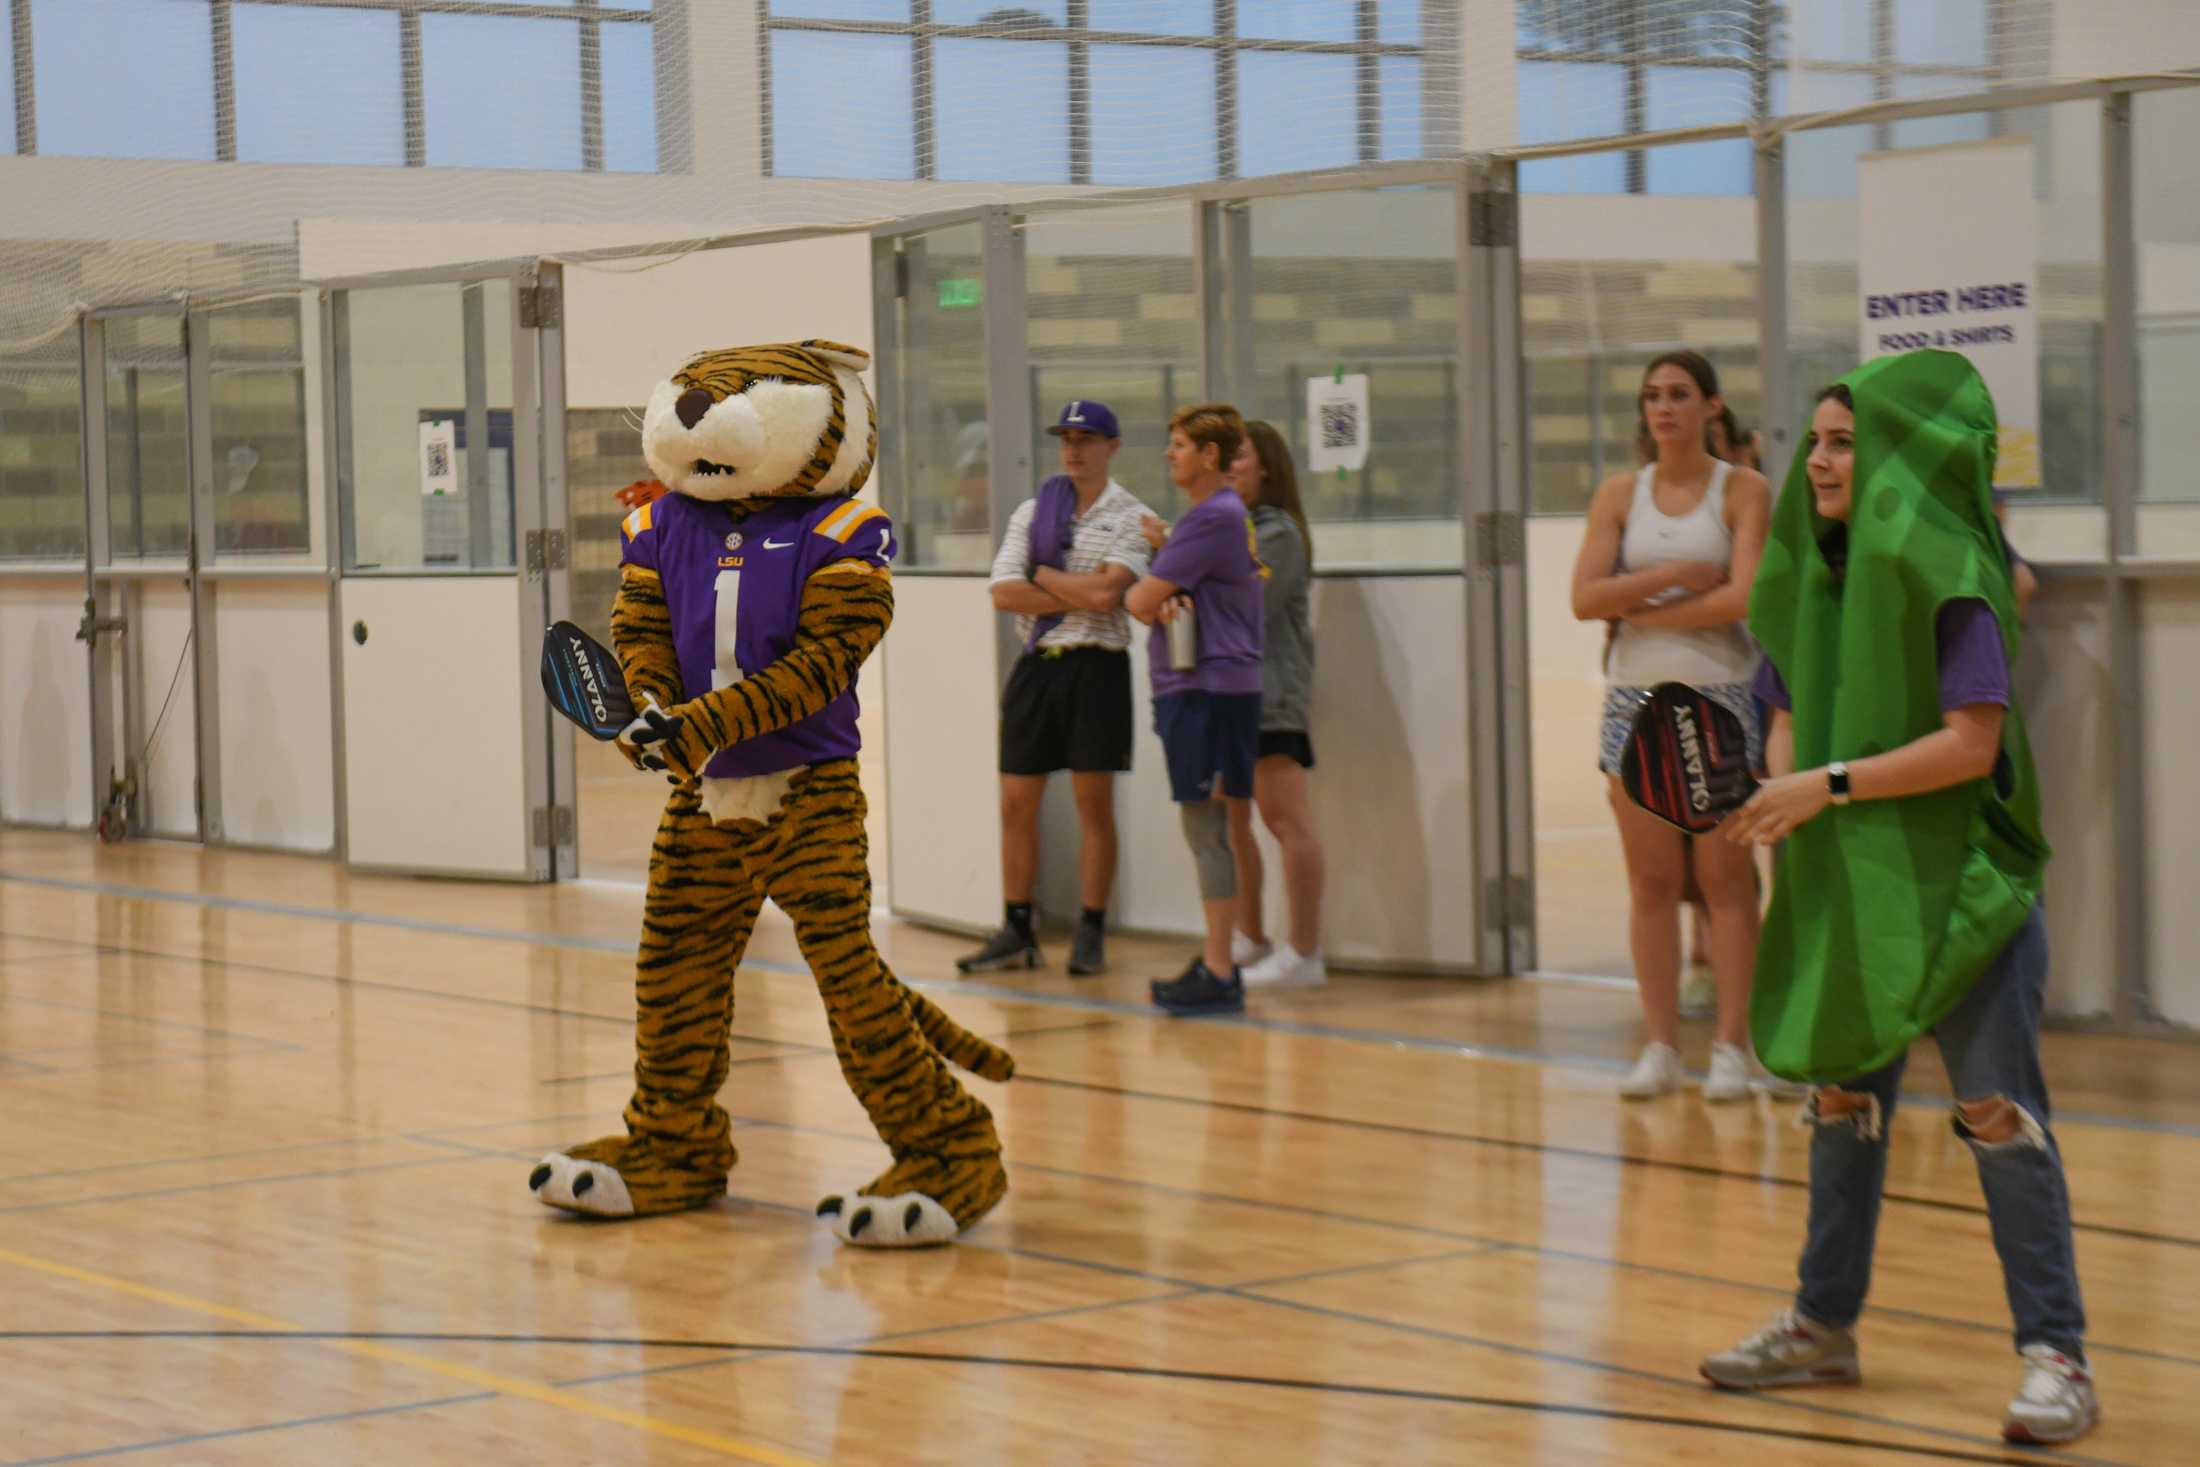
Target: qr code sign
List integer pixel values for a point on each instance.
(1340, 424)
(439, 459)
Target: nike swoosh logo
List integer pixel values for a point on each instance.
(778, 544)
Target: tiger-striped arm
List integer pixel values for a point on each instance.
(846, 608)
(641, 635)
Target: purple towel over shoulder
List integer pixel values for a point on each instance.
(1051, 515)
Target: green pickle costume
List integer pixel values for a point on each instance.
(1885, 912)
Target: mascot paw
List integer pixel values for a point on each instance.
(580, 1186)
(908, 1220)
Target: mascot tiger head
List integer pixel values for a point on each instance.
(757, 422)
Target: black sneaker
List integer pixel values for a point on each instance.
(1087, 951)
(1006, 948)
(1199, 991)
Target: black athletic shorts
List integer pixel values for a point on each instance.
(1292, 743)
(1067, 709)
(1205, 735)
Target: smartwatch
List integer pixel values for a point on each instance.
(1837, 782)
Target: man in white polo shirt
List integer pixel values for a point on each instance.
(1069, 554)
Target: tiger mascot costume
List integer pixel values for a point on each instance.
(749, 596)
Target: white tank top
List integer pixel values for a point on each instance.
(1700, 656)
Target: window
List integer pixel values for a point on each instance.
(532, 84)
(1107, 92)
(1630, 66)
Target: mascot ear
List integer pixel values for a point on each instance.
(836, 353)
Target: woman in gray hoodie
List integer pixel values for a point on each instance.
(1263, 475)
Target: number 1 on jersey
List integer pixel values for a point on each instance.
(727, 669)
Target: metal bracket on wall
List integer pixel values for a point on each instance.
(93, 626)
(540, 307)
(1493, 219)
(1507, 900)
(553, 825)
(553, 549)
(1500, 539)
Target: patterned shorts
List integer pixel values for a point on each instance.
(1620, 704)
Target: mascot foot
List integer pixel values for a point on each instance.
(923, 1199)
(620, 1179)
(909, 1220)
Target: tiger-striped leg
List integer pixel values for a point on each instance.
(677, 1151)
(947, 1170)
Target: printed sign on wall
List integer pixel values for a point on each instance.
(1946, 259)
(1336, 422)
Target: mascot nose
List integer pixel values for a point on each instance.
(692, 404)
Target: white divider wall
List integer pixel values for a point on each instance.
(162, 660)
(278, 765)
(942, 764)
(2169, 650)
(1391, 793)
(2063, 684)
(442, 661)
(46, 721)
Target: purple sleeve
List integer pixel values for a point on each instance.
(638, 536)
(1769, 688)
(1974, 668)
(1195, 548)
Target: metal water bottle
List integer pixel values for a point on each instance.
(1183, 640)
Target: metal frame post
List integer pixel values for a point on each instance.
(557, 518)
(474, 318)
(335, 344)
(2120, 491)
(1008, 406)
(1492, 448)
(198, 397)
(1779, 407)
(101, 619)
(550, 823)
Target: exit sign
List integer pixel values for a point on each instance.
(957, 294)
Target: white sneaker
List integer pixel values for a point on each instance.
(1699, 992)
(1730, 1073)
(1245, 952)
(1288, 968)
(2056, 1402)
(1658, 1072)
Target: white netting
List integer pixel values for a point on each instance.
(185, 146)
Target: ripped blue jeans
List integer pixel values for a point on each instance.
(1991, 1043)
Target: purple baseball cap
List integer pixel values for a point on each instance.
(1087, 416)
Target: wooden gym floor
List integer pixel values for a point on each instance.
(271, 1123)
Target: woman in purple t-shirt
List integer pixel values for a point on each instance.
(1207, 712)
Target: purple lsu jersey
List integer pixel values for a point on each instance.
(733, 589)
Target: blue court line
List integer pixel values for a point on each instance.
(236, 1431)
(122, 1017)
(996, 992)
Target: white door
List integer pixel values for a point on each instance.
(441, 605)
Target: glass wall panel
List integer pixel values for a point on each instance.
(1112, 317)
(115, 78)
(2063, 518)
(148, 455)
(427, 468)
(320, 86)
(1595, 308)
(2166, 177)
(1003, 109)
(501, 92)
(629, 99)
(257, 374)
(1349, 283)
(866, 133)
(934, 441)
(41, 454)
